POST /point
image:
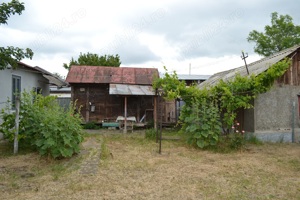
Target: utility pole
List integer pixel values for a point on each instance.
(243, 56)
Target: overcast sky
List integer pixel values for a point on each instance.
(208, 35)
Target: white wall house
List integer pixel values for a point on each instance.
(25, 78)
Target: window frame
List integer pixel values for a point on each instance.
(16, 89)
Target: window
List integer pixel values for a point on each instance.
(37, 90)
(16, 89)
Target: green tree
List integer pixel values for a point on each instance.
(11, 55)
(92, 59)
(280, 35)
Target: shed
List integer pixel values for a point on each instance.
(104, 93)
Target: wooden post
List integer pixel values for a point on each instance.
(155, 113)
(138, 109)
(87, 105)
(72, 94)
(293, 122)
(176, 111)
(125, 115)
(160, 135)
(16, 145)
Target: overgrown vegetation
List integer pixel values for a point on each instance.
(150, 134)
(91, 125)
(46, 126)
(210, 113)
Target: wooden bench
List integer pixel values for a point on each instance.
(111, 124)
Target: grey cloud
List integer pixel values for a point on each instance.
(135, 53)
(196, 28)
(216, 29)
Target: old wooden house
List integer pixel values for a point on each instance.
(275, 115)
(106, 93)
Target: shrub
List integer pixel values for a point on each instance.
(236, 141)
(150, 134)
(45, 125)
(202, 123)
(91, 125)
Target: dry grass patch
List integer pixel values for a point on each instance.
(132, 169)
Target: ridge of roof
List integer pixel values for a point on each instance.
(112, 67)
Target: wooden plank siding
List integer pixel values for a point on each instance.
(292, 75)
(109, 107)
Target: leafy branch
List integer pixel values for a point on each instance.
(11, 55)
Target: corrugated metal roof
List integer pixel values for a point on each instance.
(255, 68)
(119, 75)
(125, 89)
(192, 77)
(53, 79)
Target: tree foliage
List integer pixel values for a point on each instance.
(92, 59)
(11, 55)
(211, 112)
(45, 125)
(281, 34)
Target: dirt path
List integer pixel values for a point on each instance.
(92, 152)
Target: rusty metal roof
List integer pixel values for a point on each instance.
(125, 89)
(118, 75)
(255, 68)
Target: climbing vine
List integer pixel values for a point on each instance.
(211, 112)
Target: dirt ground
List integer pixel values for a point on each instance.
(113, 165)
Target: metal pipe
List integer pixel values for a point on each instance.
(293, 122)
(160, 136)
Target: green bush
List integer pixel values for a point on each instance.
(45, 125)
(91, 125)
(150, 134)
(201, 122)
(236, 141)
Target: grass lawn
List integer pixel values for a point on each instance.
(129, 167)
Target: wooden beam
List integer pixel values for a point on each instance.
(87, 110)
(125, 115)
(155, 113)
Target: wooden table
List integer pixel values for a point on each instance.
(131, 120)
